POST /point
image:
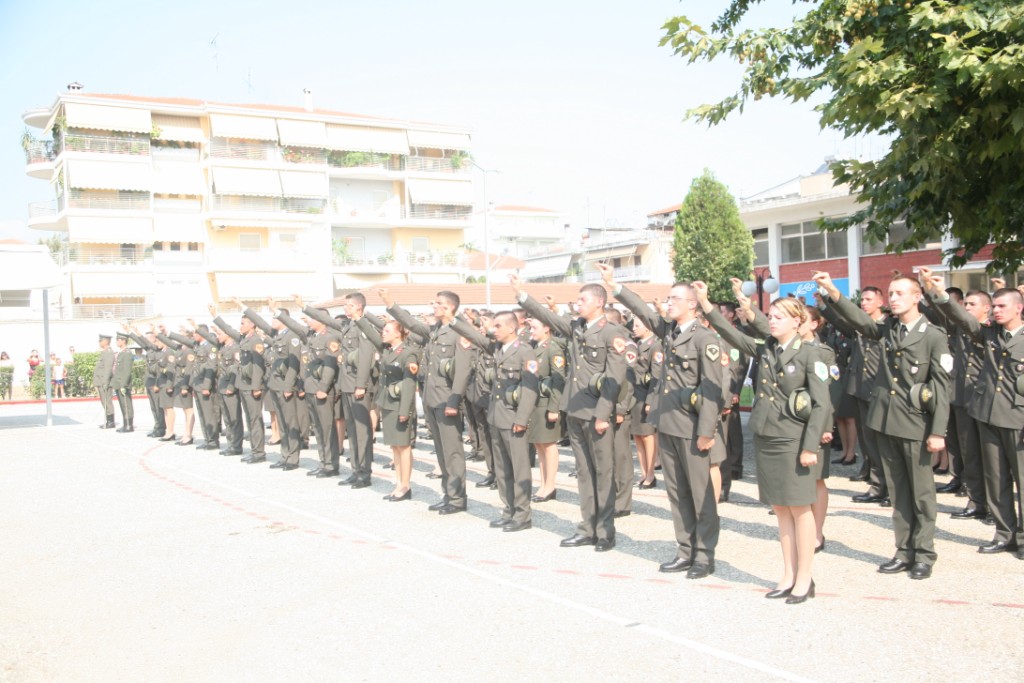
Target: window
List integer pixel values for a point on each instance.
(15, 298)
(806, 242)
(420, 244)
(898, 233)
(249, 241)
(760, 236)
(288, 240)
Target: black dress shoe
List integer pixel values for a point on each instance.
(254, 460)
(209, 446)
(952, 486)
(989, 520)
(652, 484)
(777, 593)
(699, 570)
(840, 461)
(868, 498)
(1020, 553)
(997, 547)
(313, 473)
(485, 482)
(797, 599)
(859, 477)
(724, 497)
(894, 566)
(390, 466)
(289, 467)
(274, 443)
(433, 475)
(622, 513)
(603, 545)
(576, 540)
(970, 512)
(677, 565)
(920, 570)
(940, 470)
(231, 451)
(518, 526)
(361, 484)
(572, 473)
(437, 506)
(171, 437)
(885, 502)
(395, 499)
(277, 465)
(348, 481)
(543, 499)
(500, 523)
(324, 474)
(304, 445)
(451, 509)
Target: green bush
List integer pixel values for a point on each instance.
(79, 379)
(6, 381)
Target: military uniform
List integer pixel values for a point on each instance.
(231, 402)
(446, 363)
(101, 375)
(622, 443)
(597, 369)
(251, 371)
(356, 361)
(396, 390)
(686, 406)
(732, 427)
(152, 391)
(321, 369)
(550, 385)
(204, 384)
(643, 381)
(283, 358)
(121, 382)
(918, 357)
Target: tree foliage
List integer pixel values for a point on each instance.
(711, 243)
(942, 79)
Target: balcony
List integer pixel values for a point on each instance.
(410, 261)
(84, 257)
(101, 144)
(304, 155)
(438, 165)
(365, 164)
(221, 148)
(260, 260)
(43, 215)
(238, 203)
(626, 274)
(39, 158)
(384, 215)
(429, 215)
(110, 311)
(108, 201)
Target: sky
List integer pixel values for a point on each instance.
(572, 102)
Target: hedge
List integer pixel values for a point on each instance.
(79, 379)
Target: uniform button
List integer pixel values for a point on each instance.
(771, 398)
(764, 381)
(760, 395)
(893, 392)
(999, 388)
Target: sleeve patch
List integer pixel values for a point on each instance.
(259, 348)
(712, 352)
(465, 343)
(558, 361)
(734, 355)
(295, 341)
(725, 360)
(946, 361)
(619, 344)
(821, 371)
(531, 366)
(414, 367)
(333, 346)
(833, 371)
(191, 358)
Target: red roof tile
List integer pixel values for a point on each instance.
(670, 209)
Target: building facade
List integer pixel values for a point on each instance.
(169, 204)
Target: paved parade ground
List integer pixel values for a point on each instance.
(126, 559)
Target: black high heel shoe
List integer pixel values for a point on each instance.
(653, 484)
(172, 437)
(543, 499)
(779, 593)
(405, 496)
(184, 443)
(797, 599)
(821, 546)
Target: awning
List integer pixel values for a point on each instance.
(243, 127)
(111, 284)
(303, 184)
(175, 177)
(178, 128)
(347, 281)
(611, 252)
(447, 192)
(27, 266)
(246, 181)
(547, 267)
(102, 230)
(87, 174)
(358, 139)
(101, 117)
(302, 133)
(179, 228)
(433, 140)
(261, 285)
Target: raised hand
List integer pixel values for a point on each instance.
(212, 308)
(607, 273)
(385, 296)
(516, 283)
(824, 281)
(298, 301)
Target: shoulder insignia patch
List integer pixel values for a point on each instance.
(558, 361)
(725, 360)
(734, 355)
(259, 348)
(333, 346)
(465, 343)
(821, 371)
(170, 359)
(946, 361)
(712, 352)
(414, 367)
(796, 343)
(619, 344)
(295, 341)
(305, 358)
(658, 357)
(341, 359)
(833, 371)
(191, 358)
(631, 356)
(213, 354)
(531, 366)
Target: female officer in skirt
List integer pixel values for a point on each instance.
(545, 428)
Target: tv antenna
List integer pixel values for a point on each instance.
(213, 44)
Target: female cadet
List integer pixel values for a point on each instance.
(545, 428)
(644, 434)
(788, 420)
(396, 398)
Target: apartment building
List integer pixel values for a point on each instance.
(169, 204)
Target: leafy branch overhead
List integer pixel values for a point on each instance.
(941, 79)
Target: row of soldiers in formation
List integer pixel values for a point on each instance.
(519, 381)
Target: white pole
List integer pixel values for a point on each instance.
(47, 377)
(487, 246)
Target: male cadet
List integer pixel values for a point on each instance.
(227, 383)
(686, 408)
(513, 398)
(447, 364)
(909, 411)
(251, 370)
(597, 370)
(101, 375)
(283, 366)
(148, 342)
(862, 372)
(121, 382)
(997, 403)
(356, 360)
(732, 427)
(478, 398)
(204, 382)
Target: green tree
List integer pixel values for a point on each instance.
(711, 243)
(941, 78)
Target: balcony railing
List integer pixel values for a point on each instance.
(166, 152)
(249, 260)
(127, 201)
(625, 273)
(110, 311)
(223, 149)
(86, 256)
(40, 152)
(98, 144)
(42, 209)
(304, 155)
(442, 213)
(384, 162)
(613, 238)
(437, 165)
(390, 211)
(405, 261)
(221, 202)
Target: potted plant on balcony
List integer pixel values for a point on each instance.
(339, 248)
(458, 159)
(386, 259)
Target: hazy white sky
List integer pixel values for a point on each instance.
(573, 101)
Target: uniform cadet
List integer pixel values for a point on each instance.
(645, 382)
(513, 398)
(101, 375)
(227, 384)
(447, 367)
(478, 396)
(121, 381)
(184, 368)
(545, 428)
(997, 403)
(204, 383)
(863, 369)
(969, 357)
(151, 346)
(356, 360)
(320, 363)
(166, 379)
(282, 358)
(845, 405)
(622, 448)
(914, 367)
(732, 428)
(251, 371)
(597, 369)
(396, 398)
(686, 410)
